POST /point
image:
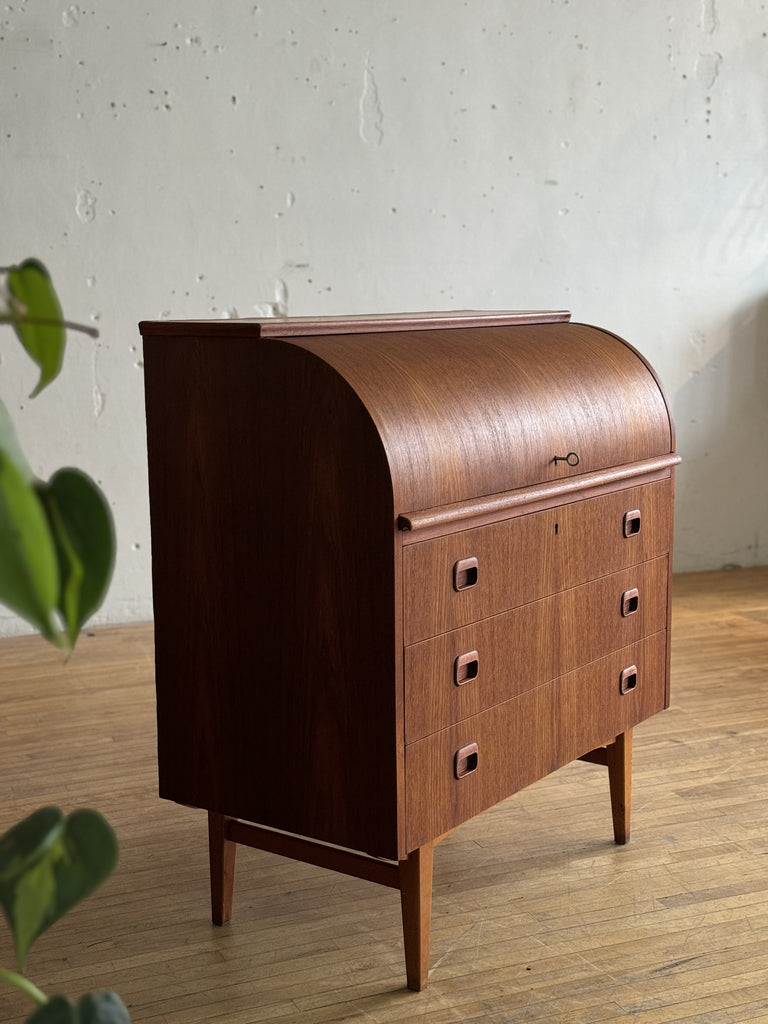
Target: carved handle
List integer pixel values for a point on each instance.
(465, 574)
(628, 680)
(465, 761)
(466, 667)
(632, 523)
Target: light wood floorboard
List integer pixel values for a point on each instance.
(537, 916)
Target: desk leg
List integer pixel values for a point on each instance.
(222, 862)
(416, 905)
(619, 756)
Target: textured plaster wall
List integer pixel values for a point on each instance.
(192, 159)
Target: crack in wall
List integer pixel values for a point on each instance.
(371, 117)
(709, 20)
(99, 397)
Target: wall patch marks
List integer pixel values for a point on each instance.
(708, 68)
(85, 206)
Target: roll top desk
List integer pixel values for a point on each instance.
(402, 568)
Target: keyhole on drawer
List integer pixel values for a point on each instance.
(557, 528)
(465, 574)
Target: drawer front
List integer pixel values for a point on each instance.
(459, 674)
(454, 580)
(528, 737)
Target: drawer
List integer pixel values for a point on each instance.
(466, 576)
(459, 674)
(528, 737)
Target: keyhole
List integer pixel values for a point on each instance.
(557, 527)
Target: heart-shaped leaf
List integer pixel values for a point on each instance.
(23, 845)
(49, 863)
(81, 523)
(102, 1008)
(29, 568)
(37, 318)
(94, 1008)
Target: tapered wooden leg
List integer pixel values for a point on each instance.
(619, 755)
(222, 862)
(416, 904)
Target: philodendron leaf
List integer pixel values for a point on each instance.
(29, 571)
(28, 841)
(102, 1008)
(9, 443)
(81, 523)
(57, 1010)
(94, 1008)
(37, 318)
(48, 864)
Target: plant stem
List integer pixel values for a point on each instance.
(47, 322)
(24, 985)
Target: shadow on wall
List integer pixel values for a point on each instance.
(721, 415)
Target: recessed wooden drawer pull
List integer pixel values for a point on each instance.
(632, 523)
(628, 679)
(465, 761)
(466, 667)
(630, 602)
(465, 574)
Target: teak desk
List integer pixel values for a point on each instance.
(403, 567)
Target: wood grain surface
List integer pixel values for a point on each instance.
(522, 648)
(482, 511)
(376, 323)
(530, 557)
(463, 413)
(271, 518)
(528, 737)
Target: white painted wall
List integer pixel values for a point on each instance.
(201, 159)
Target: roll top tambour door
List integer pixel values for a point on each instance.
(464, 413)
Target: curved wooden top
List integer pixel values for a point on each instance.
(471, 411)
(471, 405)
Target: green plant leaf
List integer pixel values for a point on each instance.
(57, 1010)
(81, 522)
(35, 300)
(9, 443)
(94, 1008)
(26, 842)
(43, 874)
(103, 1008)
(29, 572)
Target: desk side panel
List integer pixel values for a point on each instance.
(273, 575)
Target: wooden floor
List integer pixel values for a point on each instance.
(537, 915)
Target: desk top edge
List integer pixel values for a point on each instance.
(305, 326)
